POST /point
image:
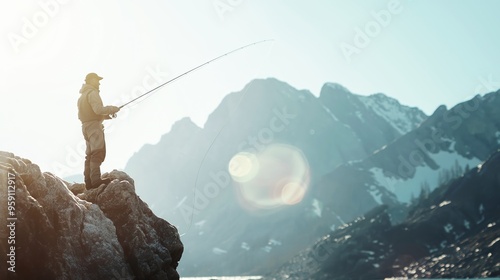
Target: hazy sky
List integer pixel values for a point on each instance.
(424, 53)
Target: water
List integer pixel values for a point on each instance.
(399, 278)
(260, 277)
(223, 278)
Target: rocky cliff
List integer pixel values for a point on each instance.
(58, 230)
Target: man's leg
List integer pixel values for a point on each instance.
(86, 170)
(97, 157)
(97, 153)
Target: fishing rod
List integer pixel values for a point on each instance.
(189, 71)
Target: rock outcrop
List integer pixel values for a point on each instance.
(104, 233)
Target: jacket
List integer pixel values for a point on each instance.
(90, 107)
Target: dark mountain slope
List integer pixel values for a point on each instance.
(454, 233)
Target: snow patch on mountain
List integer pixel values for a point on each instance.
(467, 224)
(245, 246)
(316, 207)
(360, 116)
(218, 251)
(330, 113)
(401, 117)
(406, 189)
(376, 194)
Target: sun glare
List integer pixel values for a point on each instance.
(275, 177)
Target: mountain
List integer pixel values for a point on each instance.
(442, 147)
(453, 233)
(58, 230)
(376, 119)
(220, 183)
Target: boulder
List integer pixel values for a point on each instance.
(104, 233)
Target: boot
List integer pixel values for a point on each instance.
(95, 176)
(99, 182)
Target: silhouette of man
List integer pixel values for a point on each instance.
(91, 113)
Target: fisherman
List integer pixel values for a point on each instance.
(91, 113)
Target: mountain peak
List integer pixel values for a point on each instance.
(377, 119)
(270, 81)
(440, 110)
(184, 123)
(336, 87)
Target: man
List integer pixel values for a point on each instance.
(91, 113)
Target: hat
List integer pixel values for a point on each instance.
(92, 76)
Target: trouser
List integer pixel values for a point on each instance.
(95, 152)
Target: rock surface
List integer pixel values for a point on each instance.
(104, 233)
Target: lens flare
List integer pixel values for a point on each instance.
(292, 193)
(243, 166)
(275, 177)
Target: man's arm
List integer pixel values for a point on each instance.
(95, 102)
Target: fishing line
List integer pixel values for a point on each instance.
(193, 69)
(215, 138)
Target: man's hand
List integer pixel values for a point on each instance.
(114, 109)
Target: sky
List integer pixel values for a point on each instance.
(424, 53)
